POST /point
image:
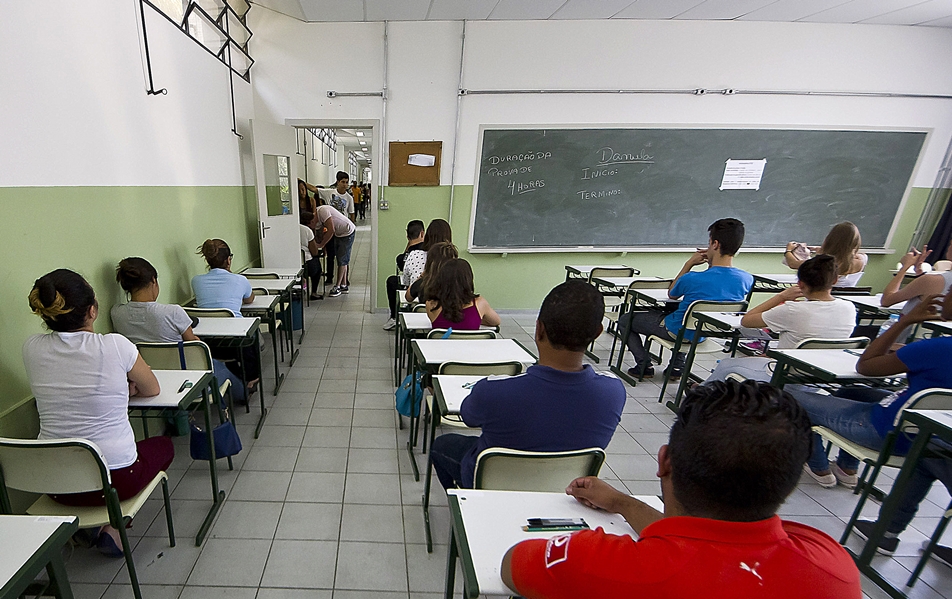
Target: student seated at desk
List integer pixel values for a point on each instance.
(438, 231)
(82, 382)
(923, 285)
(438, 255)
(820, 316)
(144, 320)
(415, 233)
(720, 282)
(733, 456)
(451, 301)
(559, 404)
(843, 243)
(221, 288)
(865, 415)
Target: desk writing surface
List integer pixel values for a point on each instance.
(941, 417)
(476, 351)
(452, 390)
(780, 279)
(261, 303)
(169, 395)
(224, 327)
(658, 295)
(839, 363)
(29, 534)
(874, 302)
(284, 273)
(939, 326)
(624, 281)
(726, 320)
(416, 321)
(275, 285)
(494, 519)
(585, 269)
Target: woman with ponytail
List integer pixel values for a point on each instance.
(82, 382)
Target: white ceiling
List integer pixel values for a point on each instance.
(934, 13)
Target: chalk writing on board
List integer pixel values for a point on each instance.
(518, 170)
(593, 195)
(522, 157)
(608, 156)
(743, 174)
(594, 173)
(519, 187)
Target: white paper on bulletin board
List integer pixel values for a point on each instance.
(743, 174)
(421, 160)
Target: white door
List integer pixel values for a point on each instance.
(276, 185)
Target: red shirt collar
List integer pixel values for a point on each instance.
(736, 533)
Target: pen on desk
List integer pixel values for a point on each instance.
(469, 385)
(853, 352)
(184, 386)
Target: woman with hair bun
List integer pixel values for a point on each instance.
(82, 382)
(221, 288)
(144, 320)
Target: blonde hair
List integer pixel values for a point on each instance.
(216, 253)
(62, 298)
(842, 242)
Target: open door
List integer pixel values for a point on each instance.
(276, 185)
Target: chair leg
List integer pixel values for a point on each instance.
(130, 563)
(933, 541)
(862, 479)
(168, 512)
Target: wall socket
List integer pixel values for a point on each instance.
(384, 205)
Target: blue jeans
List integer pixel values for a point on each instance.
(238, 391)
(647, 323)
(447, 453)
(927, 471)
(848, 417)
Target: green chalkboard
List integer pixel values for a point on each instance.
(578, 189)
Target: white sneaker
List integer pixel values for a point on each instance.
(827, 481)
(847, 480)
(391, 324)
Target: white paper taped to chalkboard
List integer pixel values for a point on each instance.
(421, 159)
(743, 174)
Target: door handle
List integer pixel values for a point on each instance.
(263, 229)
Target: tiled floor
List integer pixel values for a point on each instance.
(324, 504)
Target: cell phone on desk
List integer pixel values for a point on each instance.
(547, 524)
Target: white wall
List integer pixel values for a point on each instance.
(75, 111)
(424, 62)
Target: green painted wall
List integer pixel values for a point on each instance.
(520, 281)
(89, 229)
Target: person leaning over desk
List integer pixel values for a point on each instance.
(733, 456)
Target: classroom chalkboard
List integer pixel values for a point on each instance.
(627, 188)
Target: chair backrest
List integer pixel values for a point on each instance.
(612, 271)
(165, 356)
(690, 322)
(845, 291)
(503, 469)
(264, 275)
(478, 334)
(52, 466)
(817, 343)
(209, 312)
(942, 265)
(504, 368)
(418, 308)
(927, 399)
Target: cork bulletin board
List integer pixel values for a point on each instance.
(409, 160)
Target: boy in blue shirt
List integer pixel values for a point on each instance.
(560, 404)
(721, 282)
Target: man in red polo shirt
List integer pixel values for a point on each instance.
(734, 454)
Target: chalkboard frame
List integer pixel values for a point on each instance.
(884, 249)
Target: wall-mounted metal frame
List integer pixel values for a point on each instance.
(232, 50)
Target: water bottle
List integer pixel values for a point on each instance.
(893, 319)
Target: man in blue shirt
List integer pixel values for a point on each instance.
(721, 282)
(560, 404)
